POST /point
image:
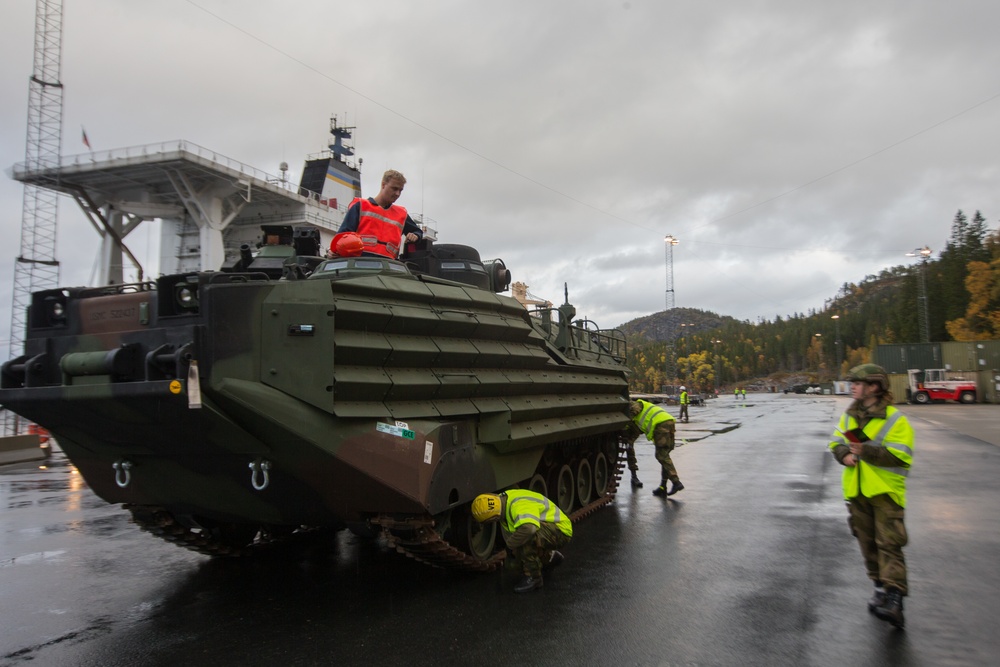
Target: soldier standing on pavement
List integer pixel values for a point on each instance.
(658, 425)
(533, 528)
(874, 443)
(685, 400)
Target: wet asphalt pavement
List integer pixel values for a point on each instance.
(752, 564)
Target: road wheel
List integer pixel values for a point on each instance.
(584, 482)
(538, 485)
(563, 485)
(600, 474)
(967, 397)
(474, 538)
(922, 398)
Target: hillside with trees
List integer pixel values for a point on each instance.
(962, 297)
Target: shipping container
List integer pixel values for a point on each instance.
(902, 357)
(959, 356)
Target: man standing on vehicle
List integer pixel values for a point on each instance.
(533, 528)
(658, 425)
(379, 222)
(874, 443)
(685, 401)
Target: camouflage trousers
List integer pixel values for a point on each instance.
(538, 550)
(633, 465)
(663, 439)
(878, 525)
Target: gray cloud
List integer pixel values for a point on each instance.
(790, 146)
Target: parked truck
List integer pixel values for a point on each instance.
(932, 384)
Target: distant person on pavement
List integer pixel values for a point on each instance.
(874, 443)
(685, 400)
(659, 426)
(533, 528)
(380, 223)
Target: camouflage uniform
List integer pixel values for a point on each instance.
(877, 519)
(533, 527)
(537, 551)
(633, 465)
(663, 440)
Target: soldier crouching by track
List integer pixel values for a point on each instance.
(659, 426)
(533, 528)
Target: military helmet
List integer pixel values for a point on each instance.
(485, 507)
(869, 373)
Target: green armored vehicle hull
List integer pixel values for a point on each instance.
(226, 408)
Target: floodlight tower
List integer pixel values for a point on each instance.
(36, 267)
(668, 243)
(923, 317)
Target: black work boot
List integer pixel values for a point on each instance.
(555, 560)
(528, 584)
(892, 609)
(878, 598)
(661, 490)
(636, 482)
(675, 487)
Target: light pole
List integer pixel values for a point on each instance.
(819, 361)
(923, 318)
(685, 324)
(668, 245)
(715, 353)
(836, 343)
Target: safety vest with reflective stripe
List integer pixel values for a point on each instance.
(895, 434)
(650, 417)
(380, 228)
(684, 398)
(529, 507)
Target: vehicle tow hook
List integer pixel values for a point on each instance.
(123, 474)
(257, 468)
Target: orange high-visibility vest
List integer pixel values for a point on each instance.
(380, 228)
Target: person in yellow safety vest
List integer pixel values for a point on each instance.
(533, 528)
(736, 393)
(685, 401)
(874, 443)
(380, 223)
(659, 426)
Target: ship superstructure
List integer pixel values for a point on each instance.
(208, 205)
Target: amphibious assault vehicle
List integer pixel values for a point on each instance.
(287, 391)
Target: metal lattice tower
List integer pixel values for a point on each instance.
(670, 367)
(36, 267)
(923, 316)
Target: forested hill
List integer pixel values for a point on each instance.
(962, 297)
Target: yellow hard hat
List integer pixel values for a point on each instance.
(485, 507)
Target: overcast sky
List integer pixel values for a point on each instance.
(790, 145)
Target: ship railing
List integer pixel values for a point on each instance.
(129, 154)
(585, 339)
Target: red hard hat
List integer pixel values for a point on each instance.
(347, 244)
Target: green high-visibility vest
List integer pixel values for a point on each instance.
(529, 507)
(895, 434)
(650, 417)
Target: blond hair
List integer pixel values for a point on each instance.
(393, 175)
